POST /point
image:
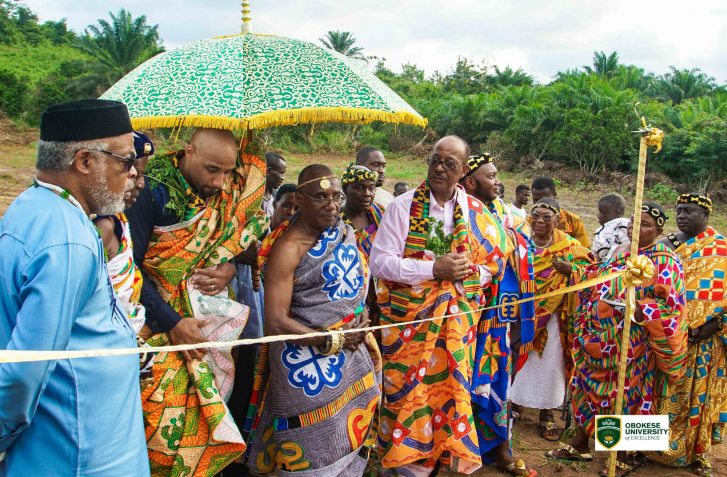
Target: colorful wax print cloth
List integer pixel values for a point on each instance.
(609, 236)
(365, 237)
(697, 408)
(427, 411)
(493, 358)
(520, 259)
(312, 414)
(188, 426)
(659, 342)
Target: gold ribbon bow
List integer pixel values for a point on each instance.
(654, 137)
(638, 270)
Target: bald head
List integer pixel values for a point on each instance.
(314, 171)
(214, 141)
(457, 143)
(210, 158)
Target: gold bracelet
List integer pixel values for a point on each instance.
(331, 346)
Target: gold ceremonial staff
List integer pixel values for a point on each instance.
(649, 137)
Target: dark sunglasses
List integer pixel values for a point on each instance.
(128, 161)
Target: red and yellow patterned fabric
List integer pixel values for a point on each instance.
(698, 406)
(659, 342)
(187, 424)
(427, 410)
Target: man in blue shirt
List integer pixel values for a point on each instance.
(79, 417)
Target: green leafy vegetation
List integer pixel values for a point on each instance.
(42, 64)
(438, 242)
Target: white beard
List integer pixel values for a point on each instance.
(106, 202)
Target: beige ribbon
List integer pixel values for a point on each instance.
(20, 356)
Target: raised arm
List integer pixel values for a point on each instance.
(55, 286)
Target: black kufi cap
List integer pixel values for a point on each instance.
(84, 120)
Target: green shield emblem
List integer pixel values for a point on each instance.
(608, 431)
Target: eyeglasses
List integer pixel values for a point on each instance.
(336, 199)
(128, 161)
(545, 218)
(447, 165)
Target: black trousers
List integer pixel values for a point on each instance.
(240, 401)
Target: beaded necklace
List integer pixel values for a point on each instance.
(67, 195)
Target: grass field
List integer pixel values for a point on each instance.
(17, 159)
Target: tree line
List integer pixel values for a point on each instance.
(582, 118)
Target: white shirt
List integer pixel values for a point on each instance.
(383, 197)
(609, 236)
(387, 252)
(522, 213)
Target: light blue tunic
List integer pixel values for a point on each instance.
(79, 417)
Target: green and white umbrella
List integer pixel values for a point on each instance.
(253, 81)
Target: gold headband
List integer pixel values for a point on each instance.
(546, 206)
(325, 182)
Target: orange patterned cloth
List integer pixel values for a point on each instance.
(427, 411)
(189, 429)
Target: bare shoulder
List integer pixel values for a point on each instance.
(111, 243)
(288, 249)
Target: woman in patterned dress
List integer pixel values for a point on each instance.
(657, 339)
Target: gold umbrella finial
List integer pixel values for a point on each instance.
(246, 18)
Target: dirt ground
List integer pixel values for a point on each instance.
(529, 447)
(17, 159)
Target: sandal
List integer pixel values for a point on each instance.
(516, 417)
(546, 427)
(620, 466)
(518, 469)
(636, 459)
(701, 467)
(573, 455)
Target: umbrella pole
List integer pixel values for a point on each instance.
(255, 269)
(631, 294)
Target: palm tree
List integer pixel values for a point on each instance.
(679, 85)
(510, 77)
(116, 48)
(342, 42)
(603, 65)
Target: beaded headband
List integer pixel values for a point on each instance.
(354, 173)
(657, 214)
(701, 200)
(325, 182)
(476, 161)
(546, 206)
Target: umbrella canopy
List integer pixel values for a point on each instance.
(254, 81)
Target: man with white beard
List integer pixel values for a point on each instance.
(80, 416)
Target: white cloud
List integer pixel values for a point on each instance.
(542, 37)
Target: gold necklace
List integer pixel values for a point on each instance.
(546, 245)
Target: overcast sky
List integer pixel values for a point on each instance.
(543, 37)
